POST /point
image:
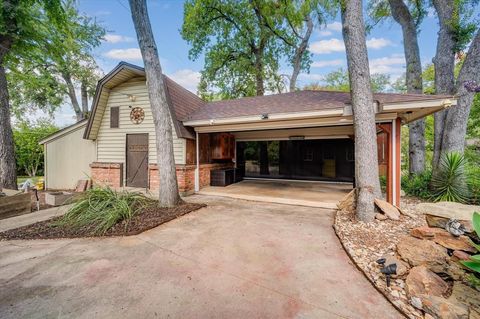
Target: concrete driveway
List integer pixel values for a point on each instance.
(233, 259)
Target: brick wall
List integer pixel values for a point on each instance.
(107, 174)
(186, 176)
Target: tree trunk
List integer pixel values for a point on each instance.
(366, 161)
(8, 172)
(259, 72)
(455, 128)
(444, 62)
(73, 96)
(84, 93)
(8, 168)
(168, 187)
(299, 52)
(416, 143)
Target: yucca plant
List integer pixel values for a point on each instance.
(449, 182)
(474, 262)
(101, 208)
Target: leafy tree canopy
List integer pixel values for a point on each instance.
(45, 52)
(28, 153)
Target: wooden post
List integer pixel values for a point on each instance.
(398, 160)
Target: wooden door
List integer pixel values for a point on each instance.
(137, 160)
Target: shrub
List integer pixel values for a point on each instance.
(449, 183)
(101, 208)
(474, 262)
(418, 185)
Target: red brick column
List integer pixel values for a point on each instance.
(107, 174)
(186, 176)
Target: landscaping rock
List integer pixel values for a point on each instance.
(388, 209)
(444, 238)
(438, 214)
(380, 216)
(422, 281)
(461, 255)
(466, 295)
(424, 232)
(402, 267)
(440, 307)
(423, 252)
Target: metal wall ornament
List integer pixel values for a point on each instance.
(137, 115)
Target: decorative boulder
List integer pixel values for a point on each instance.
(444, 238)
(438, 214)
(423, 252)
(422, 281)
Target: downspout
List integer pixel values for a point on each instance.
(197, 168)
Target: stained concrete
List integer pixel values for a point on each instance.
(232, 259)
(299, 193)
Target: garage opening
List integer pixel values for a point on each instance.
(315, 159)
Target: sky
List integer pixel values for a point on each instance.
(384, 44)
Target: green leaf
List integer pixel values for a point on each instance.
(475, 258)
(475, 266)
(476, 246)
(476, 222)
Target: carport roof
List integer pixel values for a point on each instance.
(294, 102)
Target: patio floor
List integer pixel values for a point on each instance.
(302, 193)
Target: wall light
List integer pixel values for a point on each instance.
(132, 97)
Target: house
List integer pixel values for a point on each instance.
(303, 135)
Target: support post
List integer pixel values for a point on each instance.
(394, 170)
(197, 162)
(398, 160)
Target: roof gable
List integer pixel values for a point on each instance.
(181, 101)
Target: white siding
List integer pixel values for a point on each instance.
(111, 141)
(67, 160)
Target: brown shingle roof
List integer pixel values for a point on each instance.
(299, 101)
(183, 101)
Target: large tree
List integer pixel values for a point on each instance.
(292, 23)
(410, 21)
(68, 67)
(456, 120)
(408, 14)
(366, 162)
(24, 35)
(456, 30)
(168, 188)
(241, 55)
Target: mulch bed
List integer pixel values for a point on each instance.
(149, 218)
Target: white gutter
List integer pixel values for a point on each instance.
(270, 117)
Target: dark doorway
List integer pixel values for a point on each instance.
(321, 160)
(137, 160)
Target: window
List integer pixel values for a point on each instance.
(114, 116)
(308, 155)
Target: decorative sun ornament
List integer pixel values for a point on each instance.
(137, 115)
